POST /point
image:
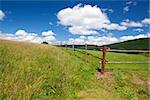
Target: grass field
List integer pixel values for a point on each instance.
(42, 72)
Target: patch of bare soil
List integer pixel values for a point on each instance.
(105, 75)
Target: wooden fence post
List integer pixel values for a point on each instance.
(86, 52)
(103, 61)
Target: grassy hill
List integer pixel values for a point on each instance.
(137, 44)
(43, 72)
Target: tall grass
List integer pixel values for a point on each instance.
(31, 71)
(34, 71)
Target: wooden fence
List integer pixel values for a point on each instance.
(104, 50)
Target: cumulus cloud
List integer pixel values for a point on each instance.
(48, 33)
(146, 21)
(129, 23)
(114, 26)
(2, 15)
(81, 30)
(22, 35)
(103, 40)
(80, 40)
(48, 36)
(86, 19)
(138, 30)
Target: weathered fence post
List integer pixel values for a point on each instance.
(86, 52)
(103, 61)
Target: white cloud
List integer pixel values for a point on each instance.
(114, 26)
(126, 8)
(86, 19)
(22, 35)
(125, 38)
(7, 36)
(110, 10)
(148, 34)
(2, 15)
(96, 40)
(81, 30)
(103, 40)
(80, 40)
(50, 23)
(129, 23)
(146, 21)
(26, 38)
(107, 10)
(48, 33)
(138, 30)
(49, 38)
(129, 2)
(128, 5)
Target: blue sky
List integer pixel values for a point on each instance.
(35, 17)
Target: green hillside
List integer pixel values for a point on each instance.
(43, 72)
(138, 44)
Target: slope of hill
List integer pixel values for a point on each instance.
(43, 72)
(138, 44)
(30, 71)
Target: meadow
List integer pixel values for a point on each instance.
(43, 72)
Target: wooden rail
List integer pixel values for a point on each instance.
(128, 62)
(103, 63)
(129, 51)
(104, 50)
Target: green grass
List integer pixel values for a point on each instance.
(138, 44)
(128, 81)
(30, 71)
(33, 71)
